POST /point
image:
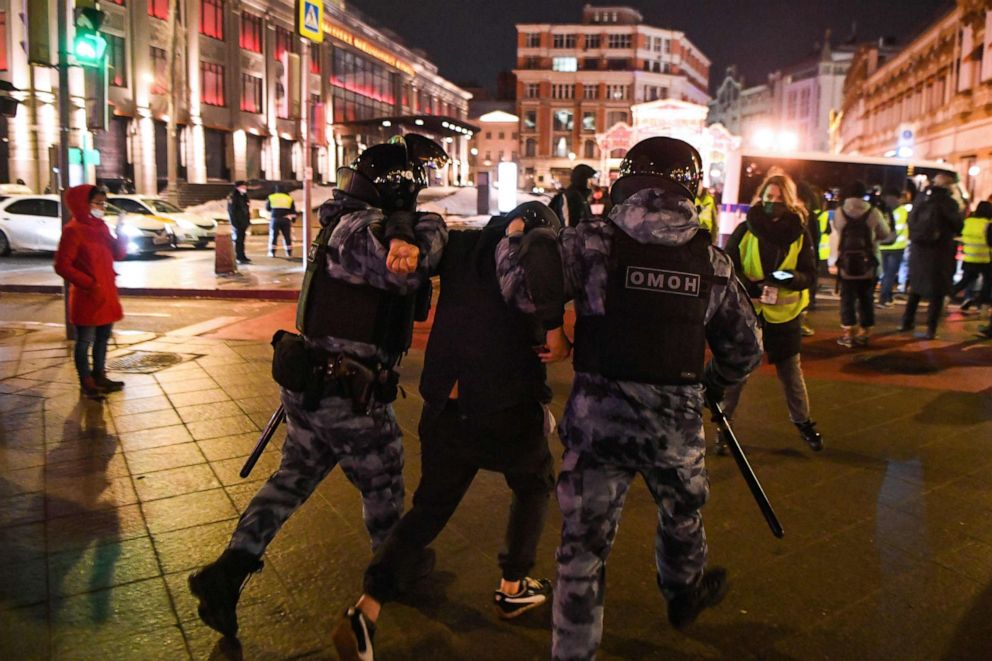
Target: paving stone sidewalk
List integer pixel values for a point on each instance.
(105, 507)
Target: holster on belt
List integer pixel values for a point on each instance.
(316, 373)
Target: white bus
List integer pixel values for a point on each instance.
(744, 171)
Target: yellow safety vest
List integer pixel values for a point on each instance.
(824, 248)
(707, 213)
(901, 216)
(976, 249)
(790, 303)
(280, 201)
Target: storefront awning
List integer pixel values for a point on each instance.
(436, 124)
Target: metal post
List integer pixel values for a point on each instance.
(63, 27)
(307, 164)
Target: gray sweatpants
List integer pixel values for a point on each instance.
(790, 375)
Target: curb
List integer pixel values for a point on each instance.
(267, 294)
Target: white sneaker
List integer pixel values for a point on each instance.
(352, 637)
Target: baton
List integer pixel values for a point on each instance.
(270, 429)
(745, 468)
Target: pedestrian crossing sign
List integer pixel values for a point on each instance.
(310, 19)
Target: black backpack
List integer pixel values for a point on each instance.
(856, 254)
(924, 222)
(559, 205)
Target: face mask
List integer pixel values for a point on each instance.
(774, 209)
(97, 213)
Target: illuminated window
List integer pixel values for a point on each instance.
(251, 93)
(561, 147)
(563, 120)
(212, 18)
(284, 42)
(565, 64)
(618, 41)
(158, 9)
(116, 60)
(616, 92)
(3, 40)
(251, 32)
(589, 122)
(315, 59)
(530, 120)
(212, 84)
(160, 68)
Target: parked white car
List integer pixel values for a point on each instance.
(187, 228)
(33, 223)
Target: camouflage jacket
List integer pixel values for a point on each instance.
(650, 216)
(355, 254)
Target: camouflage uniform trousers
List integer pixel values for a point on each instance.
(613, 431)
(368, 448)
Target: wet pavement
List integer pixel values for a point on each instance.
(106, 507)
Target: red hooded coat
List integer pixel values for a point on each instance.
(85, 258)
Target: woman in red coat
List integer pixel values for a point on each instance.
(85, 258)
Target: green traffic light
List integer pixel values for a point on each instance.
(89, 49)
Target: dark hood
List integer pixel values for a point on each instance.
(781, 232)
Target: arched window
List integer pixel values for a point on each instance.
(561, 147)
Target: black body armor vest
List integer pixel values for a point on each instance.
(654, 327)
(360, 313)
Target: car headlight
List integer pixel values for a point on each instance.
(132, 231)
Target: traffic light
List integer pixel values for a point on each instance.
(8, 104)
(89, 47)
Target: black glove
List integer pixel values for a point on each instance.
(715, 394)
(399, 225)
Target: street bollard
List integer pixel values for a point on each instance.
(224, 263)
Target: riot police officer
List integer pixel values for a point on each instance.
(650, 294)
(356, 313)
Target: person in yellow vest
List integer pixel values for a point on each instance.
(282, 213)
(899, 204)
(977, 257)
(709, 216)
(774, 257)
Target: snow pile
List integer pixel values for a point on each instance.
(456, 203)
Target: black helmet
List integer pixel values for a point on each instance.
(581, 174)
(390, 175)
(535, 214)
(666, 163)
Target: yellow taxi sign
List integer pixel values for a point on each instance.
(310, 19)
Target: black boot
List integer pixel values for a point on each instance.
(218, 587)
(106, 384)
(810, 435)
(685, 607)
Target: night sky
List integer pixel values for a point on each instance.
(474, 40)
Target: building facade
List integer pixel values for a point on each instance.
(575, 80)
(931, 100)
(236, 83)
(793, 109)
(497, 140)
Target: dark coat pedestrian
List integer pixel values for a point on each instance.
(932, 265)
